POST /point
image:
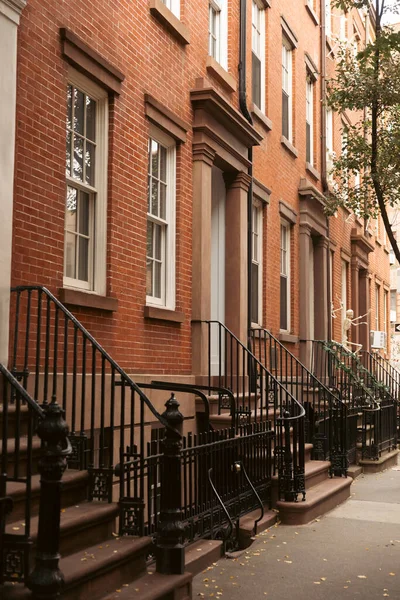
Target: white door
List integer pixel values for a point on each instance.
(217, 268)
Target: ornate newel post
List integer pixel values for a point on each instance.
(46, 579)
(170, 552)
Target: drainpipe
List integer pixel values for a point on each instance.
(245, 111)
(324, 178)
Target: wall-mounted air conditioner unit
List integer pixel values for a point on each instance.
(377, 339)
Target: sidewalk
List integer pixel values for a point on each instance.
(353, 552)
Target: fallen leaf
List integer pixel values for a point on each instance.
(317, 582)
(289, 562)
(362, 576)
(323, 578)
(392, 574)
(15, 528)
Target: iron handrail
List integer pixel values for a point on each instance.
(253, 489)
(98, 347)
(297, 361)
(256, 361)
(230, 526)
(22, 391)
(377, 363)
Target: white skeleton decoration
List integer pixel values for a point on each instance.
(348, 321)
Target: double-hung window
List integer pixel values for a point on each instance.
(160, 253)
(86, 193)
(309, 119)
(287, 95)
(377, 307)
(328, 18)
(258, 55)
(344, 289)
(218, 32)
(256, 263)
(174, 6)
(285, 278)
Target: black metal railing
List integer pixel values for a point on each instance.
(383, 372)
(360, 389)
(53, 355)
(22, 455)
(259, 396)
(328, 421)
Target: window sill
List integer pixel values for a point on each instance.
(288, 337)
(289, 147)
(160, 12)
(163, 314)
(221, 75)
(379, 242)
(85, 299)
(386, 249)
(312, 14)
(260, 116)
(313, 171)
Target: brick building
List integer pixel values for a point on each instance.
(156, 141)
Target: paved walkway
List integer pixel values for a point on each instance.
(353, 552)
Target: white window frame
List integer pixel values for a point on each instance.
(328, 18)
(174, 6)
(310, 113)
(285, 226)
(344, 290)
(221, 54)
(257, 244)
(258, 6)
(343, 27)
(385, 315)
(329, 131)
(287, 82)
(98, 225)
(168, 250)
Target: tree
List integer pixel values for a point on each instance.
(367, 174)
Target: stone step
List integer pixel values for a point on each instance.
(387, 460)
(74, 490)
(246, 525)
(20, 455)
(97, 571)
(15, 419)
(319, 500)
(85, 524)
(155, 587)
(201, 554)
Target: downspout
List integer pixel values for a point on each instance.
(324, 178)
(245, 111)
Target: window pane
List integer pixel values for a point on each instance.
(68, 154)
(149, 238)
(154, 158)
(70, 215)
(149, 277)
(157, 233)
(154, 198)
(256, 80)
(163, 200)
(70, 254)
(84, 214)
(163, 164)
(90, 119)
(69, 107)
(254, 293)
(83, 262)
(283, 299)
(89, 163)
(79, 99)
(285, 115)
(157, 280)
(308, 142)
(78, 157)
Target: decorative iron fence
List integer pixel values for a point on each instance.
(379, 431)
(329, 424)
(230, 457)
(259, 396)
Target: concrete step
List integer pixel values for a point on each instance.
(319, 500)
(85, 524)
(74, 491)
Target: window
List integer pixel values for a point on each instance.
(160, 255)
(309, 119)
(217, 31)
(86, 195)
(328, 18)
(258, 55)
(377, 293)
(343, 27)
(256, 265)
(393, 301)
(329, 130)
(344, 289)
(285, 278)
(174, 6)
(385, 314)
(287, 59)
